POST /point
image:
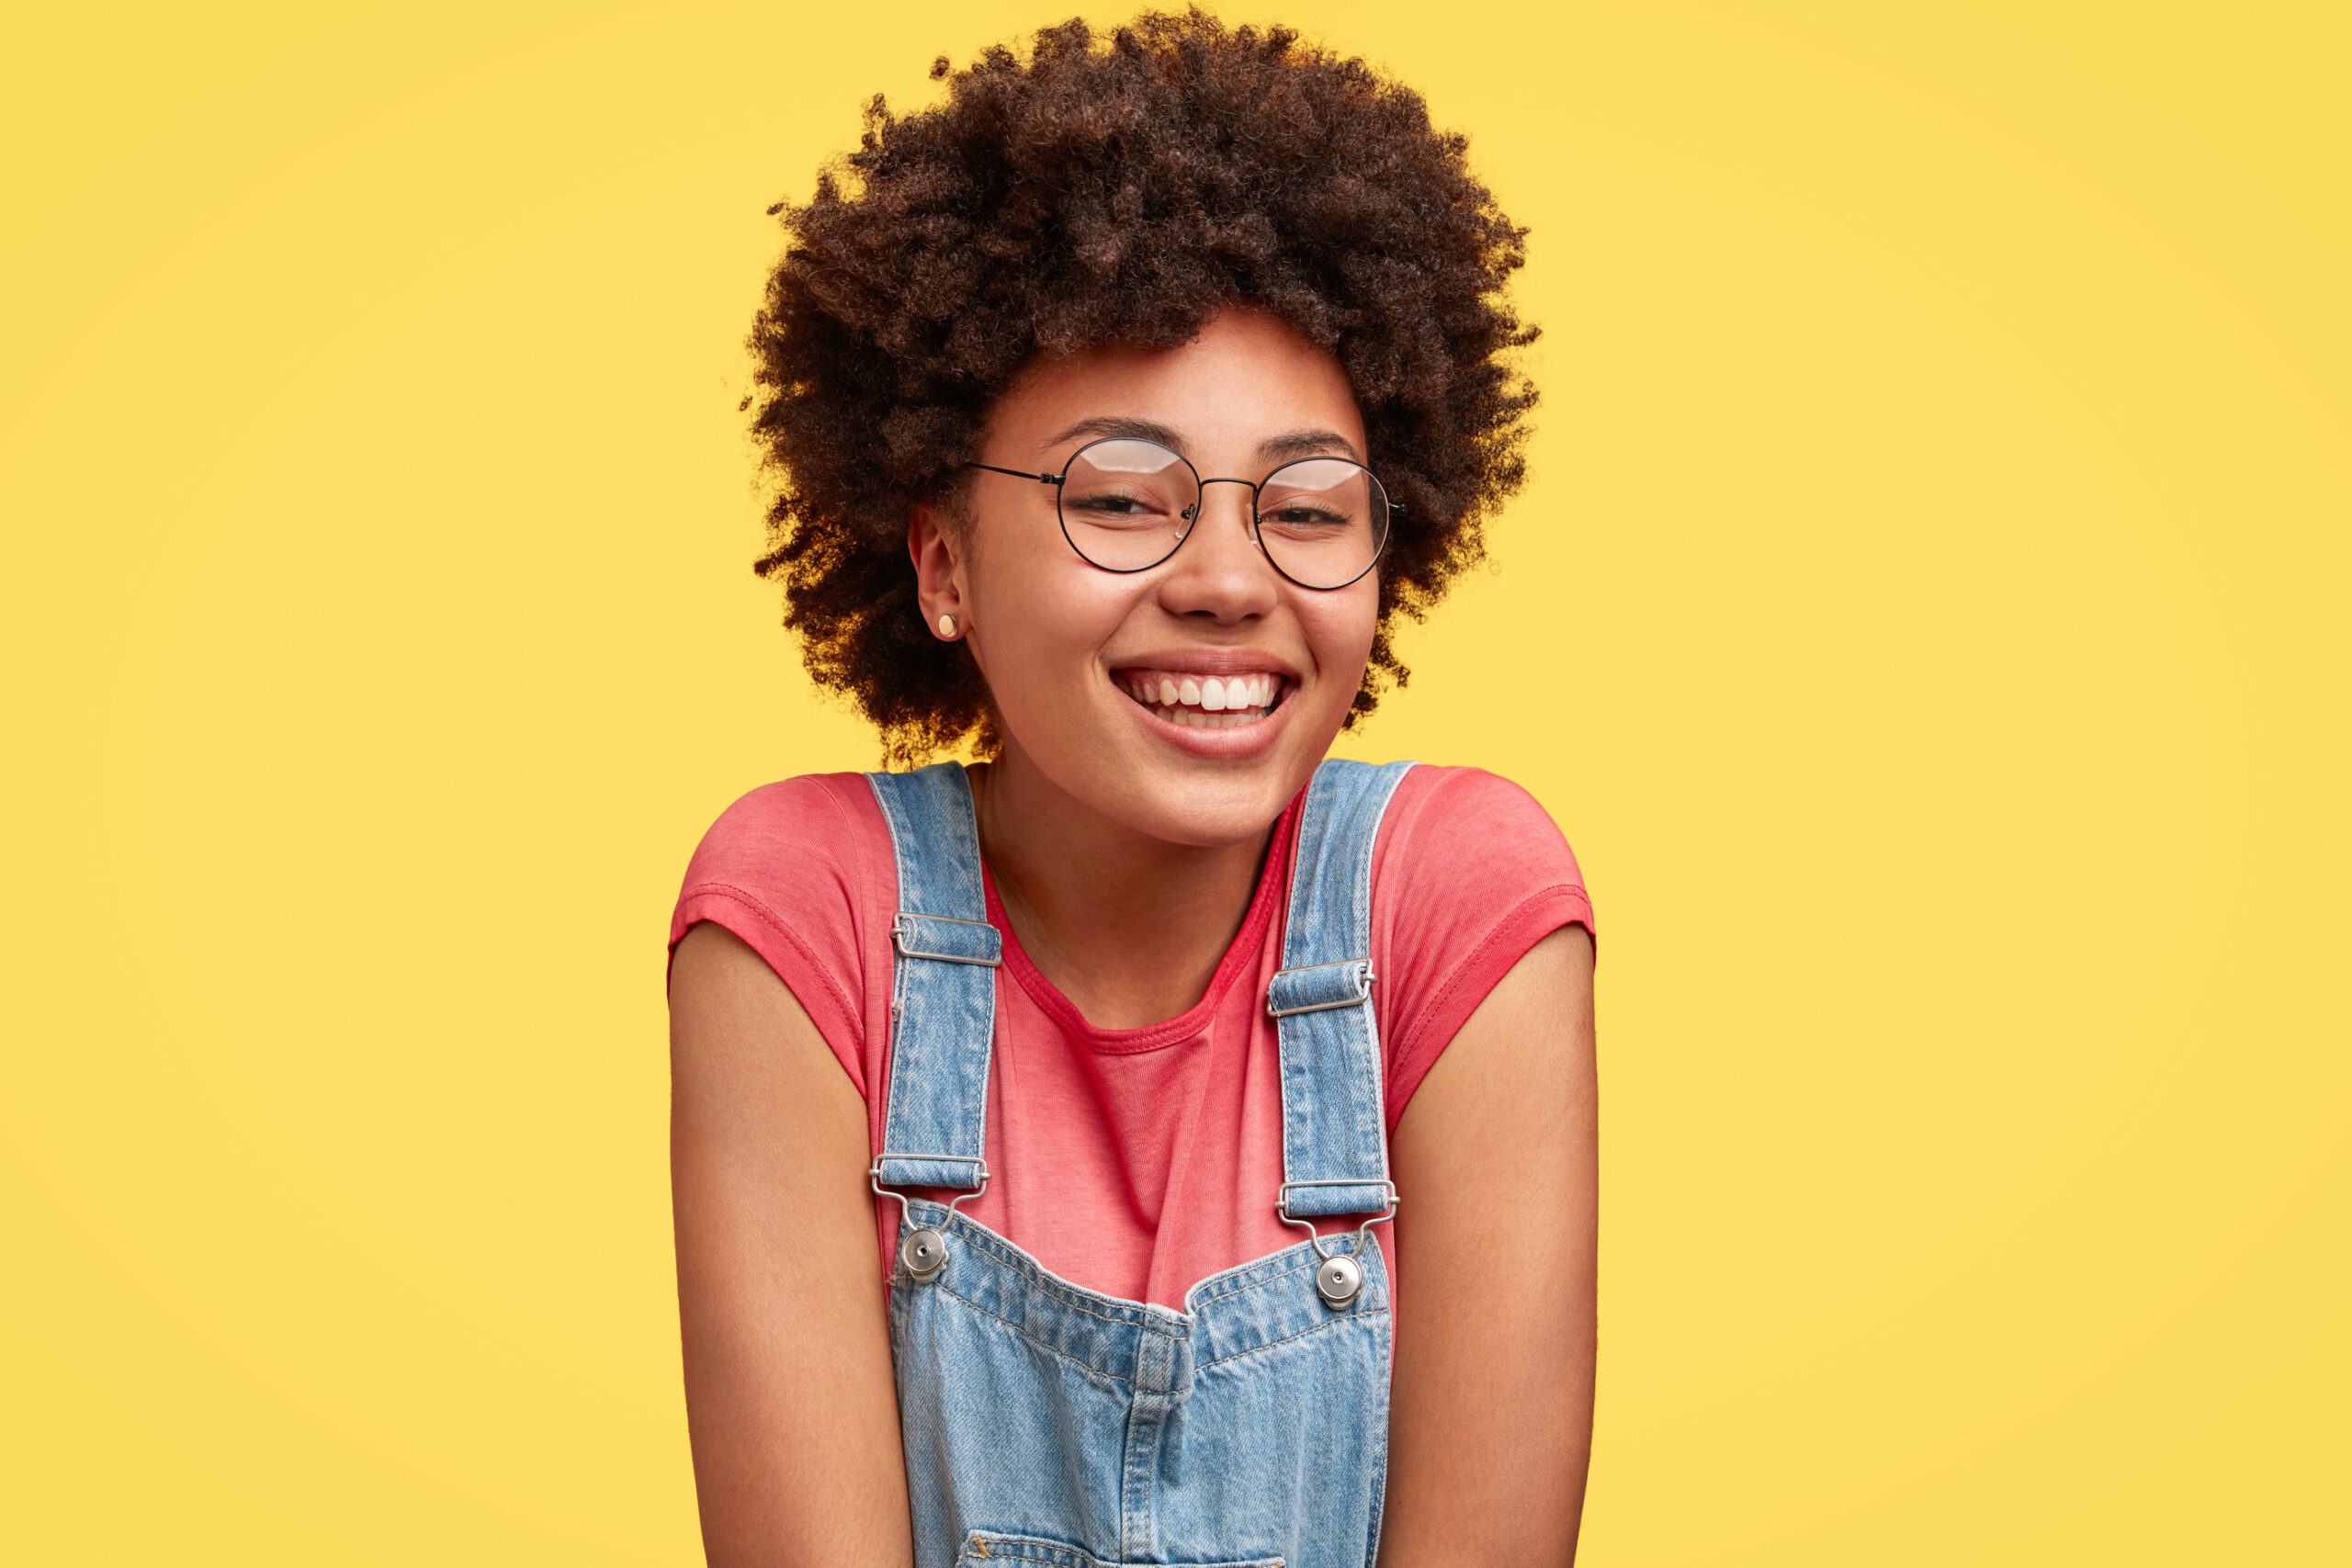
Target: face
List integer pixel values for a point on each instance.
(1190, 701)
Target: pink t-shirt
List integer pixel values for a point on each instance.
(1137, 1162)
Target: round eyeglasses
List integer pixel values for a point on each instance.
(1127, 505)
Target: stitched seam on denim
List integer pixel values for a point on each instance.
(1244, 1286)
(1025, 1333)
(1319, 1328)
(1369, 1101)
(1043, 1289)
(1356, 1119)
(1045, 1286)
(1031, 1549)
(1054, 1350)
(1016, 1549)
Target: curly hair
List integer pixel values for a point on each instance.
(1118, 192)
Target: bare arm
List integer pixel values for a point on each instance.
(1491, 1413)
(789, 1397)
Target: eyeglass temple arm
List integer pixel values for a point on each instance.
(1020, 473)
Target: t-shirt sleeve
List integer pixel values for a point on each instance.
(790, 868)
(1468, 873)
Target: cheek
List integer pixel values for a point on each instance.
(1339, 629)
(1036, 620)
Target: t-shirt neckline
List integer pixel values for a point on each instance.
(1241, 957)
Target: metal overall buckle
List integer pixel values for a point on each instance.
(1338, 1276)
(924, 1253)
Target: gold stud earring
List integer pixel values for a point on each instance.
(947, 626)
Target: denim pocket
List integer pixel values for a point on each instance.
(982, 1548)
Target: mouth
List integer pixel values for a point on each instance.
(1193, 701)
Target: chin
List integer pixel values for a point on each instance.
(1211, 808)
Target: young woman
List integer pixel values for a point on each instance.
(1153, 1142)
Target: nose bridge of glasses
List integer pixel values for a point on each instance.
(1249, 503)
(1230, 551)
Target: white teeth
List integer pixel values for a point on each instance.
(1208, 701)
(1198, 718)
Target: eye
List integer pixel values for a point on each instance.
(1120, 506)
(1297, 518)
(1109, 506)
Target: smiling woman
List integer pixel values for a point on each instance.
(1063, 637)
(1119, 411)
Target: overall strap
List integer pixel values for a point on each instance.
(943, 1004)
(1335, 1144)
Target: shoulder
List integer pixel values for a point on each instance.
(1470, 827)
(791, 831)
(1469, 873)
(801, 870)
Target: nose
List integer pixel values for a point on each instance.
(1220, 571)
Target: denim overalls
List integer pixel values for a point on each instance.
(1048, 1424)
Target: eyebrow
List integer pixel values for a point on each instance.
(1306, 444)
(1291, 444)
(1134, 429)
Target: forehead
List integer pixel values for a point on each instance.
(1247, 386)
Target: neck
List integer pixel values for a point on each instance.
(1130, 928)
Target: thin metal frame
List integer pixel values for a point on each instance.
(1363, 1231)
(874, 1171)
(1200, 490)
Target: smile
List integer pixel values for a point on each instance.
(1198, 702)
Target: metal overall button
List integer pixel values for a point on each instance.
(924, 1255)
(1338, 1279)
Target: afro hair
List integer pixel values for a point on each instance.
(1118, 190)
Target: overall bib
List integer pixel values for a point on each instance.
(1049, 1424)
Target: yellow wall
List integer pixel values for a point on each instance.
(1929, 624)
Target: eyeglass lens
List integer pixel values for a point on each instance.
(1127, 505)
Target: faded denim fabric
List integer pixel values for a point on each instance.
(1048, 1424)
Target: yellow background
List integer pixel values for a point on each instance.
(1928, 622)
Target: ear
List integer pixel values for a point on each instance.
(935, 547)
